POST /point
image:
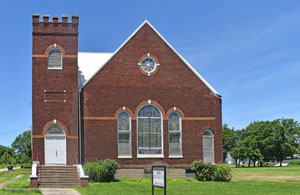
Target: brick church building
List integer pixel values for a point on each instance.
(141, 104)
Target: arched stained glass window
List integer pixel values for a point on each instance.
(149, 131)
(175, 143)
(55, 58)
(208, 146)
(124, 134)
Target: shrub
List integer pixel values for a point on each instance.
(26, 165)
(294, 163)
(109, 168)
(101, 171)
(203, 171)
(223, 173)
(90, 169)
(210, 172)
(23, 158)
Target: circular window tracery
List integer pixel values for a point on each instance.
(148, 64)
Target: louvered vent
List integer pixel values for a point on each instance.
(54, 59)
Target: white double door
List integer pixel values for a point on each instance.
(55, 150)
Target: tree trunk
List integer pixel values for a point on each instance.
(236, 163)
(281, 163)
(260, 164)
(254, 163)
(239, 163)
(249, 163)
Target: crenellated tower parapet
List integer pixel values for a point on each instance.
(55, 27)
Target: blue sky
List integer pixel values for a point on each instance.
(249, 51)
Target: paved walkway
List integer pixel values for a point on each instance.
(15, 168)
(9, 181)
(58, 191)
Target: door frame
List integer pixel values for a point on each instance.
(45, 148)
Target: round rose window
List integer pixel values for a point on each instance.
(148, 64)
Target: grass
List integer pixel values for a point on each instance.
(22, 182)
(19, 191)
(190, 186)
(7, 175)
(272, 174)
(259, 180)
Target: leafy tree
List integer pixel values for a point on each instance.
(238, 153)
(229, 140)
(4, 149)
(5, 158)
(22, 143)
(256, 137)
(285, 133)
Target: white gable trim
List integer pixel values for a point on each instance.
(214, 92)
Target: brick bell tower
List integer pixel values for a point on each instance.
(55, 90)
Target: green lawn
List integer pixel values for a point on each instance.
(22, 182)
(7, 175)
(266, 180)
(273, 174)
(19, 191)
(191, 186)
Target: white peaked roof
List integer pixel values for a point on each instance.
(90, 64)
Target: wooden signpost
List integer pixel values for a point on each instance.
(159, 178)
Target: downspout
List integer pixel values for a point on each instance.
(79, 125)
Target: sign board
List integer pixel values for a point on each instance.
(159, 176)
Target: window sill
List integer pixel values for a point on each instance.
(150, 156)
(55, 68)
(124, 156)
(176, 156)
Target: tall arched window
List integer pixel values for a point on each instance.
(175, 149)
(149, 122)
(124, 134)
(208, 146)
(54, 58)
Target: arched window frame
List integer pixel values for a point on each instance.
(161, 134)
(129, 155)
(212, 137)
(179, 155)
(61, 58)
(63, 134)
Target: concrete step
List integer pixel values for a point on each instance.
(57, 171)
(44, 184)
(59, 180)
(58, 176)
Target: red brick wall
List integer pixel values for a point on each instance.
(121, 83)
(65, 35)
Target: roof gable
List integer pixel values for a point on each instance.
(213, 91)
